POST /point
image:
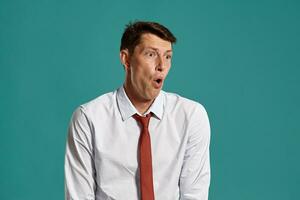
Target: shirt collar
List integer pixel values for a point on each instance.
(127, 109)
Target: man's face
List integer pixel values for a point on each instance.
(147, 67)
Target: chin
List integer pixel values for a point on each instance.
(153, 95)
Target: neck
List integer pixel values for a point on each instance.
(141, 105)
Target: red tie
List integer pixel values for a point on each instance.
(145, 159)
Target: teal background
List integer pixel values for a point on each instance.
(240, 59)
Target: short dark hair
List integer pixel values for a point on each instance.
(133, 32)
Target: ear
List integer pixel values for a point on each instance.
(124, 57)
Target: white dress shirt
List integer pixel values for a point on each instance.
(101, 160)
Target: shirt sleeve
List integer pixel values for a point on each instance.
(79, 163)
(195, 173)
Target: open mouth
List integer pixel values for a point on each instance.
(158, 81)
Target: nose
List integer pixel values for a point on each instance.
(160, 65)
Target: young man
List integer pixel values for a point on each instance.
(139, 142)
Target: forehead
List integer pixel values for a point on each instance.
(149, 40)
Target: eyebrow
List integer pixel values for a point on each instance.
(156, 49)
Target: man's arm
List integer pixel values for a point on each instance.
(195, 174)
(79, 162)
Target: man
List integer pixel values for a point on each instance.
(139, 142)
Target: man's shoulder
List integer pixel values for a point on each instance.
(102, 102)
(176, 101)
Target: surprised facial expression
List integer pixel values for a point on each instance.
(147, 67)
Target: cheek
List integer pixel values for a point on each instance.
(168, 66)
(145, 71)
(138, 76)
(169, 63)
(167, 69)
(141, 70)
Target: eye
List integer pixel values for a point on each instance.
(151, 54)
(168, 57)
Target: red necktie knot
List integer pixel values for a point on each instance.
(143, 120)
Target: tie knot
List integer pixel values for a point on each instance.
(143, 120)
